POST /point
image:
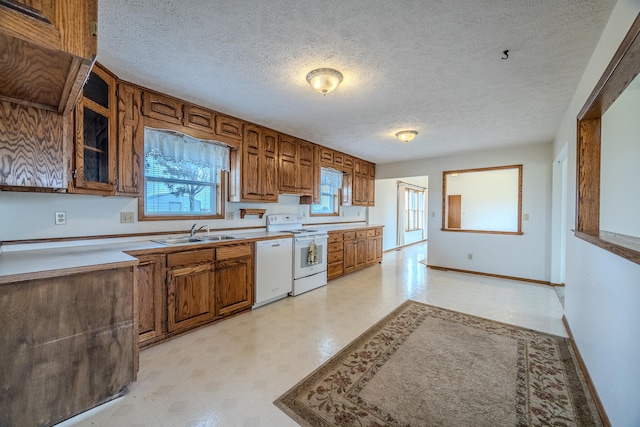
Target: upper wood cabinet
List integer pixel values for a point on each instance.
(229, 130)
(47, 48)
(130, 141)
(162, 107)
(258, 168)
(95, 135)
(296, 166)
(33, 150)
(199, 118)
(364, 174)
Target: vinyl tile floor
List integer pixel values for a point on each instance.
(229, 373)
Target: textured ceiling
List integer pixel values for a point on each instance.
(434, 66)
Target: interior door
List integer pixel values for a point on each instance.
(454, 211)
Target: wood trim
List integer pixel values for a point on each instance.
(627, 247)
(499, 276)
(587, 377)
(622, 69)
(21, 277)
(492, 168)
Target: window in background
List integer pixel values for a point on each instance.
(183, 176)
(330, 185)
(414, 208)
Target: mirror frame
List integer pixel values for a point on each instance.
(444, 199)
(623, 68)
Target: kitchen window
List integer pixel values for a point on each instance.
(330, 185)
(183, 176)
(414, 208)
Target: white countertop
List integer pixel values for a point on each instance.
(35, 260)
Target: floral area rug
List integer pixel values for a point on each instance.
(427, 366)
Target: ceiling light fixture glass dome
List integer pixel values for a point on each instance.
(324, 80)
(406, 135)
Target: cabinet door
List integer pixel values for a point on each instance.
(361, 253)
(349, 255)
(371, 250)
(229, 129)
(151, 297)
(95, 136)
(305, 168)
(326, 156)
(234, 281)
(191, 298)
(250, 171)
(288, 164)
(269, 167)
(199, 118)
(130, 141)
(379, 249)
(371, 184)
(162, 107)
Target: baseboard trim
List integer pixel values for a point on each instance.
(499, 276)
(585, 371)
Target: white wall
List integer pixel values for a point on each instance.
(385, 210)
(31, 216)
(602, 293)
(525, 256)
(620, 204)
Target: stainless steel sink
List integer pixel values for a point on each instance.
(195, 239)
(216, 238)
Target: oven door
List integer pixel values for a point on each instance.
(301, 266)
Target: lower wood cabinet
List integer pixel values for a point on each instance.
(234, 278)
(151, 297)
(182, 290)
(353, 249)
(190, 289)
(68, 344)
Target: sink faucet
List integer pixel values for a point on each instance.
(194, 231)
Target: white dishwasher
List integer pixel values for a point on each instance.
(274, 270)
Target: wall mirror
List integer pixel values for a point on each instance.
(483, 200)
(608, 147)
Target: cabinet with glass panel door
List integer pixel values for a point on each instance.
(95, 135)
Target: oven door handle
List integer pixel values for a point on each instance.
(312, 238)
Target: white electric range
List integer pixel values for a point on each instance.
(308, 272)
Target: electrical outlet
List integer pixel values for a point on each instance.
(433, 214)
(60, 218)
(469, 257)
(126, 217)
(230, 215)
(525, 217)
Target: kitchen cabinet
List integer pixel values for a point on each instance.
(229, 130)
(130, 140)
(234, 278)
(295, 166)
(199, 118)
(364, 175)
(374, 246)
(33, 151)
(162, 107)
(190, 289)
(259, 166)
(353, 249)
(48, 48)
(151, 298)
(335, 255)
(68, 343)
(95, 135)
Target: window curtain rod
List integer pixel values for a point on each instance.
(412, 186)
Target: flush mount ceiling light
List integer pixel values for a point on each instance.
(406, 135)
(324, 80)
